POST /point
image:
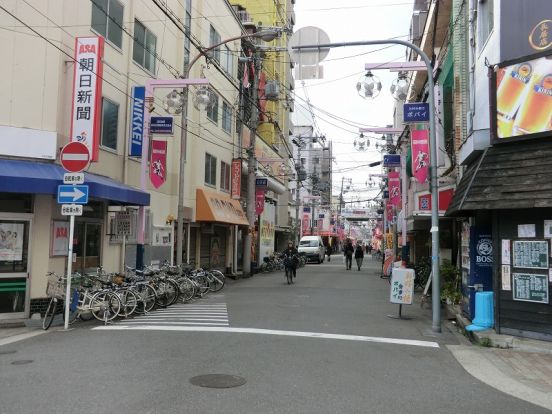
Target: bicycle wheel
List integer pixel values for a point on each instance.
(129, 301)
(166, 293)
(146, 298)
(203, 284)
(105, 306)
(219, 275)
(216, 283)
(187, 289)
(49, 315)
(172, 291)
(73, 307)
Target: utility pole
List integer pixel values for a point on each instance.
(298, 171)
(251, 168)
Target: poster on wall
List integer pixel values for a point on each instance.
(214, 259)
(11, 241)
(506, 259)
(548, 229)
(60, 238)
(506, 277)
(531, 254)
(162, 236)
(527, 230)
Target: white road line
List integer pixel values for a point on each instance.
(179, 323)
(21, 337)
(158, 319)
(319, 335)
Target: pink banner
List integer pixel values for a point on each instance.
(420, 155)
(394, 188)
(389, 212)
(259, 201)
(306, 226)
(158, 167)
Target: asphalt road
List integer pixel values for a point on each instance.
(349, 365)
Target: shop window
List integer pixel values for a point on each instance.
(145, 44)
(226, 117)
(110, 120)
(107, 20)
(214, 38)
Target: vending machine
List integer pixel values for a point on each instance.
(477, 264)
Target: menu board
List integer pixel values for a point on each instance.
(530, 288)
(531, 254)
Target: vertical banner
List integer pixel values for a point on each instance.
(420, 155)
(389, 212)
(87, 93)
(137, 120)
(259, 201)
(394, 188)
(236, 178)
(306, 227)
(158, 163)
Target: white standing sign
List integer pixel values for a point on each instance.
(402, 286)
(87, 93)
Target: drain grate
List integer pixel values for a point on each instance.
(22, 362)
(217, 381)
(8, 351)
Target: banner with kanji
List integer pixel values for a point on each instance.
(236, 178)
(259, 201)
(158, 163)
(394, 188)
(420, 155)
(87, 93)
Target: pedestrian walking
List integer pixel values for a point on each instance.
(359, 255)
(348, 253)
(329, 251)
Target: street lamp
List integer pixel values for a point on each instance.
(203, 97)
(368, 86)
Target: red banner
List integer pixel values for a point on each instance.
(306, 226)
(394, 188)
(236, 178)
(158, 163)
(259, 201)
(420, 155)
(389, 212)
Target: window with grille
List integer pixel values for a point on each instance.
(214, 38)
(226, 117)
(145, 44)
(110, 120)
(224, 176)
(212, 110)
(210, 170)
(107, 20)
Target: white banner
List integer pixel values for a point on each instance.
(60, 238)
(87, 93)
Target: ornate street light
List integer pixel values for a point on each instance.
(399, 87)
(368, 86)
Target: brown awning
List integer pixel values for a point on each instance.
(213, 206)
(507, 176)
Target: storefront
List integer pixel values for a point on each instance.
(510, 184)
(34, 235)
(218, 217)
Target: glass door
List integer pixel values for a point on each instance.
(14, 255)
(86, 246)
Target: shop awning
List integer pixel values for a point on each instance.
(32, 177)
(217, 207)
(506, 176)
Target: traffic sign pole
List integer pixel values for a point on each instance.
(69, 270)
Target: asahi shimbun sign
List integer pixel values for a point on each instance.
(87, 93)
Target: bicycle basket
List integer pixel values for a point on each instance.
(118, 279)
(55, 287)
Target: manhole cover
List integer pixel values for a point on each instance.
(22, 362)
(217, 381)
(8, 351)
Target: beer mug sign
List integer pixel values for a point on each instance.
(509, 96)
(535, 112)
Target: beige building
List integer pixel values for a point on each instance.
(142, 41)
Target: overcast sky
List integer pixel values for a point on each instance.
(348, 21)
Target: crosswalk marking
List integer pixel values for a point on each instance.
(211, 311)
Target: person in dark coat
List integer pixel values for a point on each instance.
(329, 251)
(359, 255)
(348, 252)
(291, 254)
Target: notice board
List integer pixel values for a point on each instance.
(530, 287)
(531, 254)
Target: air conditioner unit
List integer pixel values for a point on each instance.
(272, 90)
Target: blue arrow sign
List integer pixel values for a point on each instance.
(72, 194)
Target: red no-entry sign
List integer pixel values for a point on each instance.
(75, 157)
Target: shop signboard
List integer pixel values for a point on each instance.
(416, 112)
(87, 93)
(137, 120)
(402, 286)
(161, 125)
(522, 99)
(530, 287)
(236, 178)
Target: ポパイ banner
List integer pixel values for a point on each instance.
(158, 166)
(420, 155)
